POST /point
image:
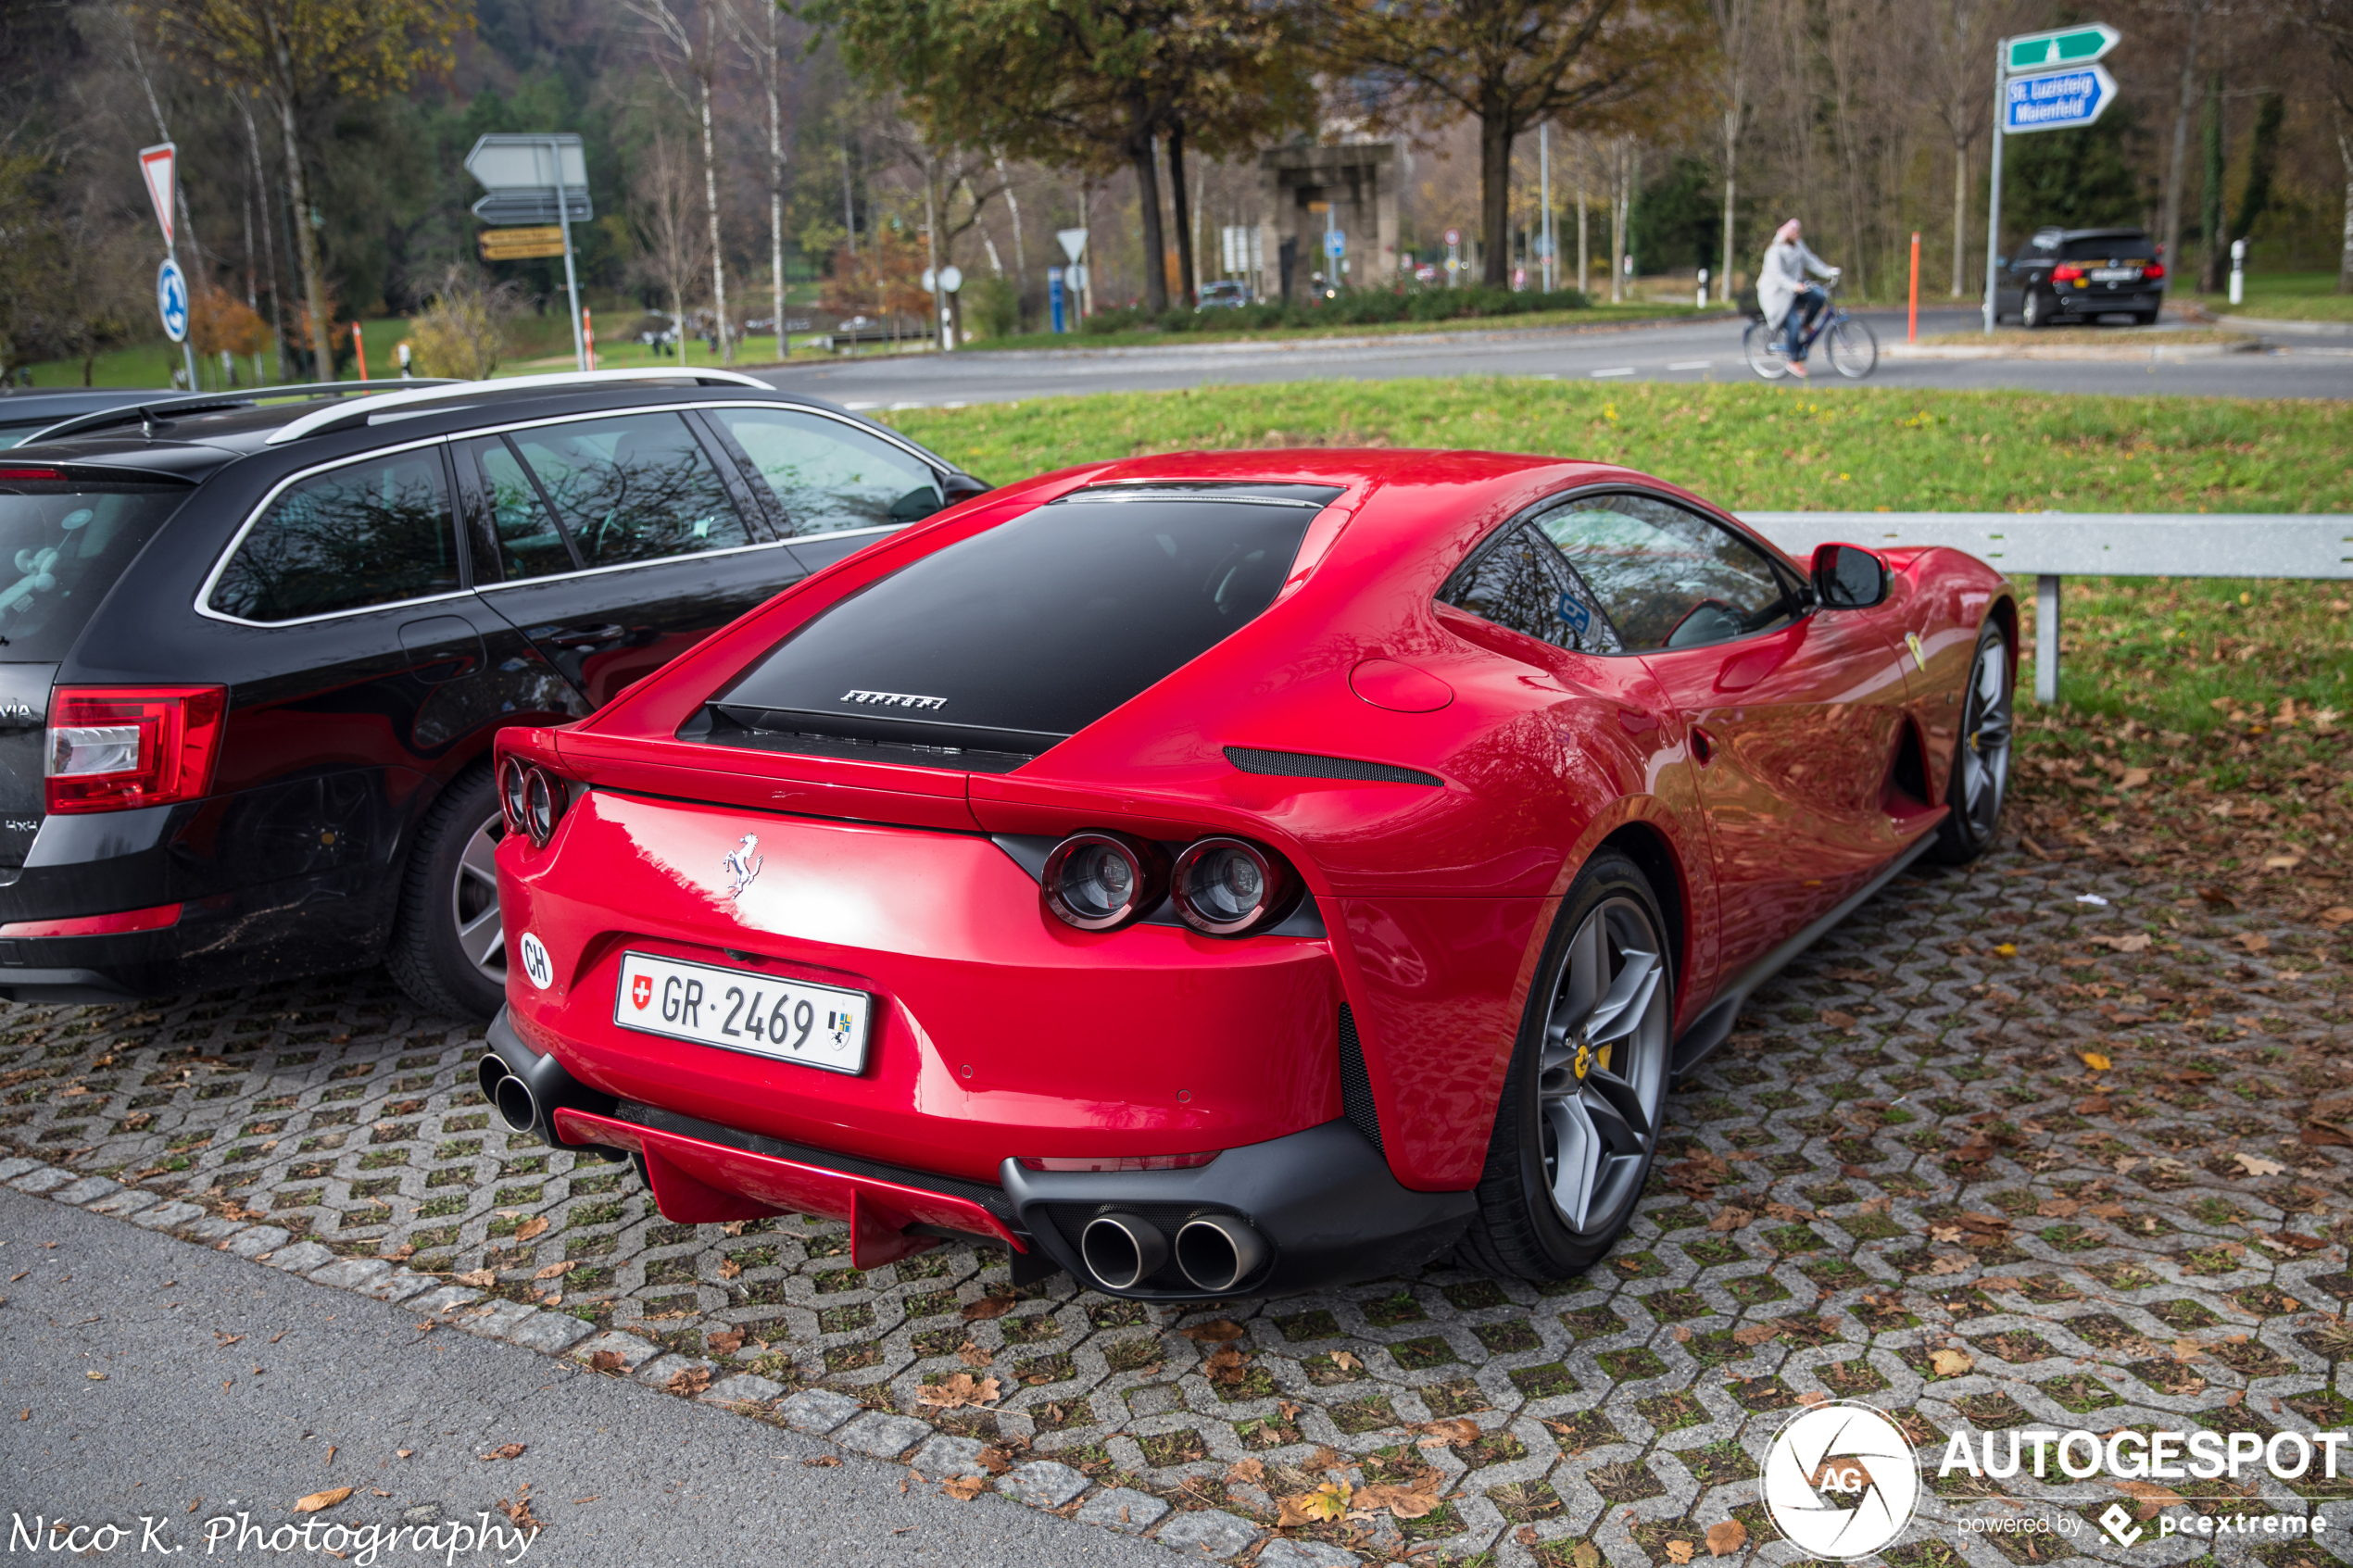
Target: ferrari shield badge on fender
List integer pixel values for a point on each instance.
(742, 864)
(1919, 651)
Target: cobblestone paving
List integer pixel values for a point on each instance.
(1912, 1150)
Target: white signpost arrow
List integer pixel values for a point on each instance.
(536, 179)
(2043, 81)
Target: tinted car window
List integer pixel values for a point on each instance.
(530, 543)
(1023, 635)
(1521, 581)
(827, 475)
(2118, 247)
(1668, 577)
(370, 533)
(61, 548)
(638, 487)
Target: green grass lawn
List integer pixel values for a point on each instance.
(2287, 297)
(1741, 444)
(1595, 315)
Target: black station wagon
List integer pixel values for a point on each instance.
(253, 648)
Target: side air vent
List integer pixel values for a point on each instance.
(1355, 1088)
(1306, 765)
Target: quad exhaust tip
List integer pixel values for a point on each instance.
(1122, 1250)
(1217, 1252)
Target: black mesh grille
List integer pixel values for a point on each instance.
(1306, 765)
(1355, 1088)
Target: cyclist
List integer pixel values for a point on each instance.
(1791, 303)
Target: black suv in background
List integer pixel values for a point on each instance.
(2080, 275)
(253, 652)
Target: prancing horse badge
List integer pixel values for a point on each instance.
(742, 864)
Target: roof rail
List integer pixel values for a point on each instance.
(321, 420)
(201, 402)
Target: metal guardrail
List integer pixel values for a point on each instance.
(2049, 545)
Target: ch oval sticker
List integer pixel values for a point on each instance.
(537, 967)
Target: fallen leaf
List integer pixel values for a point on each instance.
(2095, 1060)
(1945, 1234)
(318, 1500)
(403, 1453)
(1216, 1331)
(726, 1342)
(987, 1307)
(2137, 943)
(963, 1488)
(2007, 949)
(2253, 941)
(1679, 1551)
(1951, 1363)
(1811, 1398)
(1247, 1472)
(1947, 1265)
(1327, 1502)
(2096, 1105)
(994, 1458)
(478, 1279)
(2337, 914)
(1833, 1018)
(2152, 1497)
(1440, 1434)
(2256, 1165)
(690, 1381)
(729, 1268)
(1757, 1333)
(823, 1462)
(1584, 1554)
(2000, 1282)
(1227, 1365)
(959, 1390)
(1730, 1219)
(558, 1271)
(533, 1228)
(975, 1355)
(1727, 1538)
(607, 1361)
(1403, 1502)
(2186, 1351)
(2056, 1208)
(1346, 1362)
(507, 1450)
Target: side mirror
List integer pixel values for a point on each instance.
(962, 488)
(1848, 577)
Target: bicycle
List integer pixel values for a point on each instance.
(1853, 350)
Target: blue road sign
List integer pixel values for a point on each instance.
(172, 300)
(2056, 100)
(1335, 244)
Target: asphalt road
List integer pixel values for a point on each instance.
(1685, 352)
(324, 1388)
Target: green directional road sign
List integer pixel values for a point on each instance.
(2067, 46)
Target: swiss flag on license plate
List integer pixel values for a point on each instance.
(641, 991)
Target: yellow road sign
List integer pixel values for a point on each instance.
(521, 244)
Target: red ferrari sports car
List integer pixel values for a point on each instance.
(1230, 873)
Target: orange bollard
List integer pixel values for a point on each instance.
(360, 348)
(1912, 329)
(588, 335)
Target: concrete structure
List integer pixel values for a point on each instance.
(1358, 180)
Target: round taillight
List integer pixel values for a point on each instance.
(513, 795)
(1099, 880)
(544, 798)
(1231, 888)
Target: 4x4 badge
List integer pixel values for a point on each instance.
(741, 865)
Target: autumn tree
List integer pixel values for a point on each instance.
(689, 59)
(299, 56)
(1081, 84)
(1509, 65)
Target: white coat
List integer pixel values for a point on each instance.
(1784, 274)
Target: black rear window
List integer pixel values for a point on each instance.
(987, 652)
(2110, 247)
(62, 546)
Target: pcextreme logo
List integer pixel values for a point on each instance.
(1840, 1480)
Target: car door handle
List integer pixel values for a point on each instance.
(1703, 745)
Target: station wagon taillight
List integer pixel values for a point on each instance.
(2151, 270)
(2067, 274)
(112, 749)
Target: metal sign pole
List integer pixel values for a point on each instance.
(2000, 140)
(571, 279)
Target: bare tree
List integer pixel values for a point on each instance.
(672, 241)
(1959, 49)
(764, 47)
(1735, 25)
(690, 67)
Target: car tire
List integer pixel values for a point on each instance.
(2033, 313)
(1574, 1130)
(2145, 318)
(1979, 778)
(448, 950)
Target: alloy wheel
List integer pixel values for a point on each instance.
(473, 902)
(1985, 739)
(1602, 1080)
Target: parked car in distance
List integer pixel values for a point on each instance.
(1231, 873)
(1224, 294)
(256, 647)
(2073, 275)
(27, 413)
